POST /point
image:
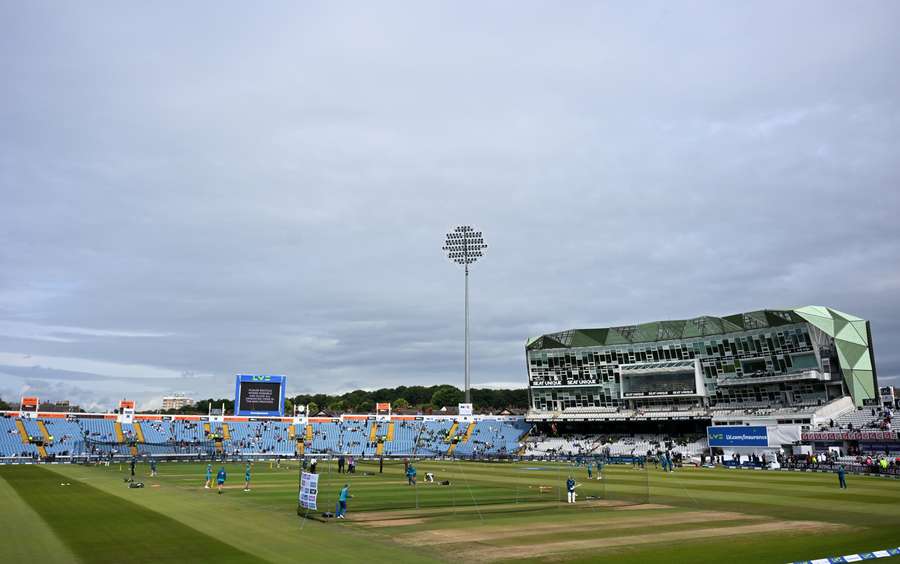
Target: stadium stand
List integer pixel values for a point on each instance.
(157, 432)
(79, 435)
(485, 437)
(261, 437)
(354, 437)
(432, 438)
(98, 429)
(865, 418)
(11, 445)
(625, 445)
(404, 439)
(326, 437)
(66, 436)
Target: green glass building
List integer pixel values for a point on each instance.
(770, 358)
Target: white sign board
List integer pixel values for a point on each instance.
(465, 409)
(309, 490)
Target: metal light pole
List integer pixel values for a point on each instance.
(464, 246)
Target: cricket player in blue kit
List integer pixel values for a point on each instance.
(208, 476)
(342, 501)
(570, 489)
(247, 478)
(220, 479)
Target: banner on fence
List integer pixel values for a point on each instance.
(752, 436)
(850, 436)
(738, 436)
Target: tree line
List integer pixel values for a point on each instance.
(420, 398)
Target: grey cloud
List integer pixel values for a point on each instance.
(42, 373)
(267, 191)
(47, 373)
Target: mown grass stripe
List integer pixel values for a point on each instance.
(98, 527)
(27, 537)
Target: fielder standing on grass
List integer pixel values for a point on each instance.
(247, 478)
(220, 479)
(208, 476)
(570, 489)
(842, 477)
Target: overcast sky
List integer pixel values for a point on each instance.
(194, 190)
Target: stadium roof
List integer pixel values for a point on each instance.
(850, 334)
(654, 331)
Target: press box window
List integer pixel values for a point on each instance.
(804, 361)
(753, 365)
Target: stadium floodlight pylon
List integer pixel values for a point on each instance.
(464, 246)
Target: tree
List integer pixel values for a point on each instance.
(401, 403)
(203, 406)
(446, 396)
(418, 395)
(355, 397)
(415, 396)
(365, 406)
(313, 408)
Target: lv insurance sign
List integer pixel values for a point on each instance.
(738, 436)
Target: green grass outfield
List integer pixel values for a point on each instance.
(490, 512)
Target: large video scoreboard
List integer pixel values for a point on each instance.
(259, 394)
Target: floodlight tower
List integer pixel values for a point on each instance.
(464, 246)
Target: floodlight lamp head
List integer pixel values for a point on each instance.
(464, 245)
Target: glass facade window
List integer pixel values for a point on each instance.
(775, 357)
